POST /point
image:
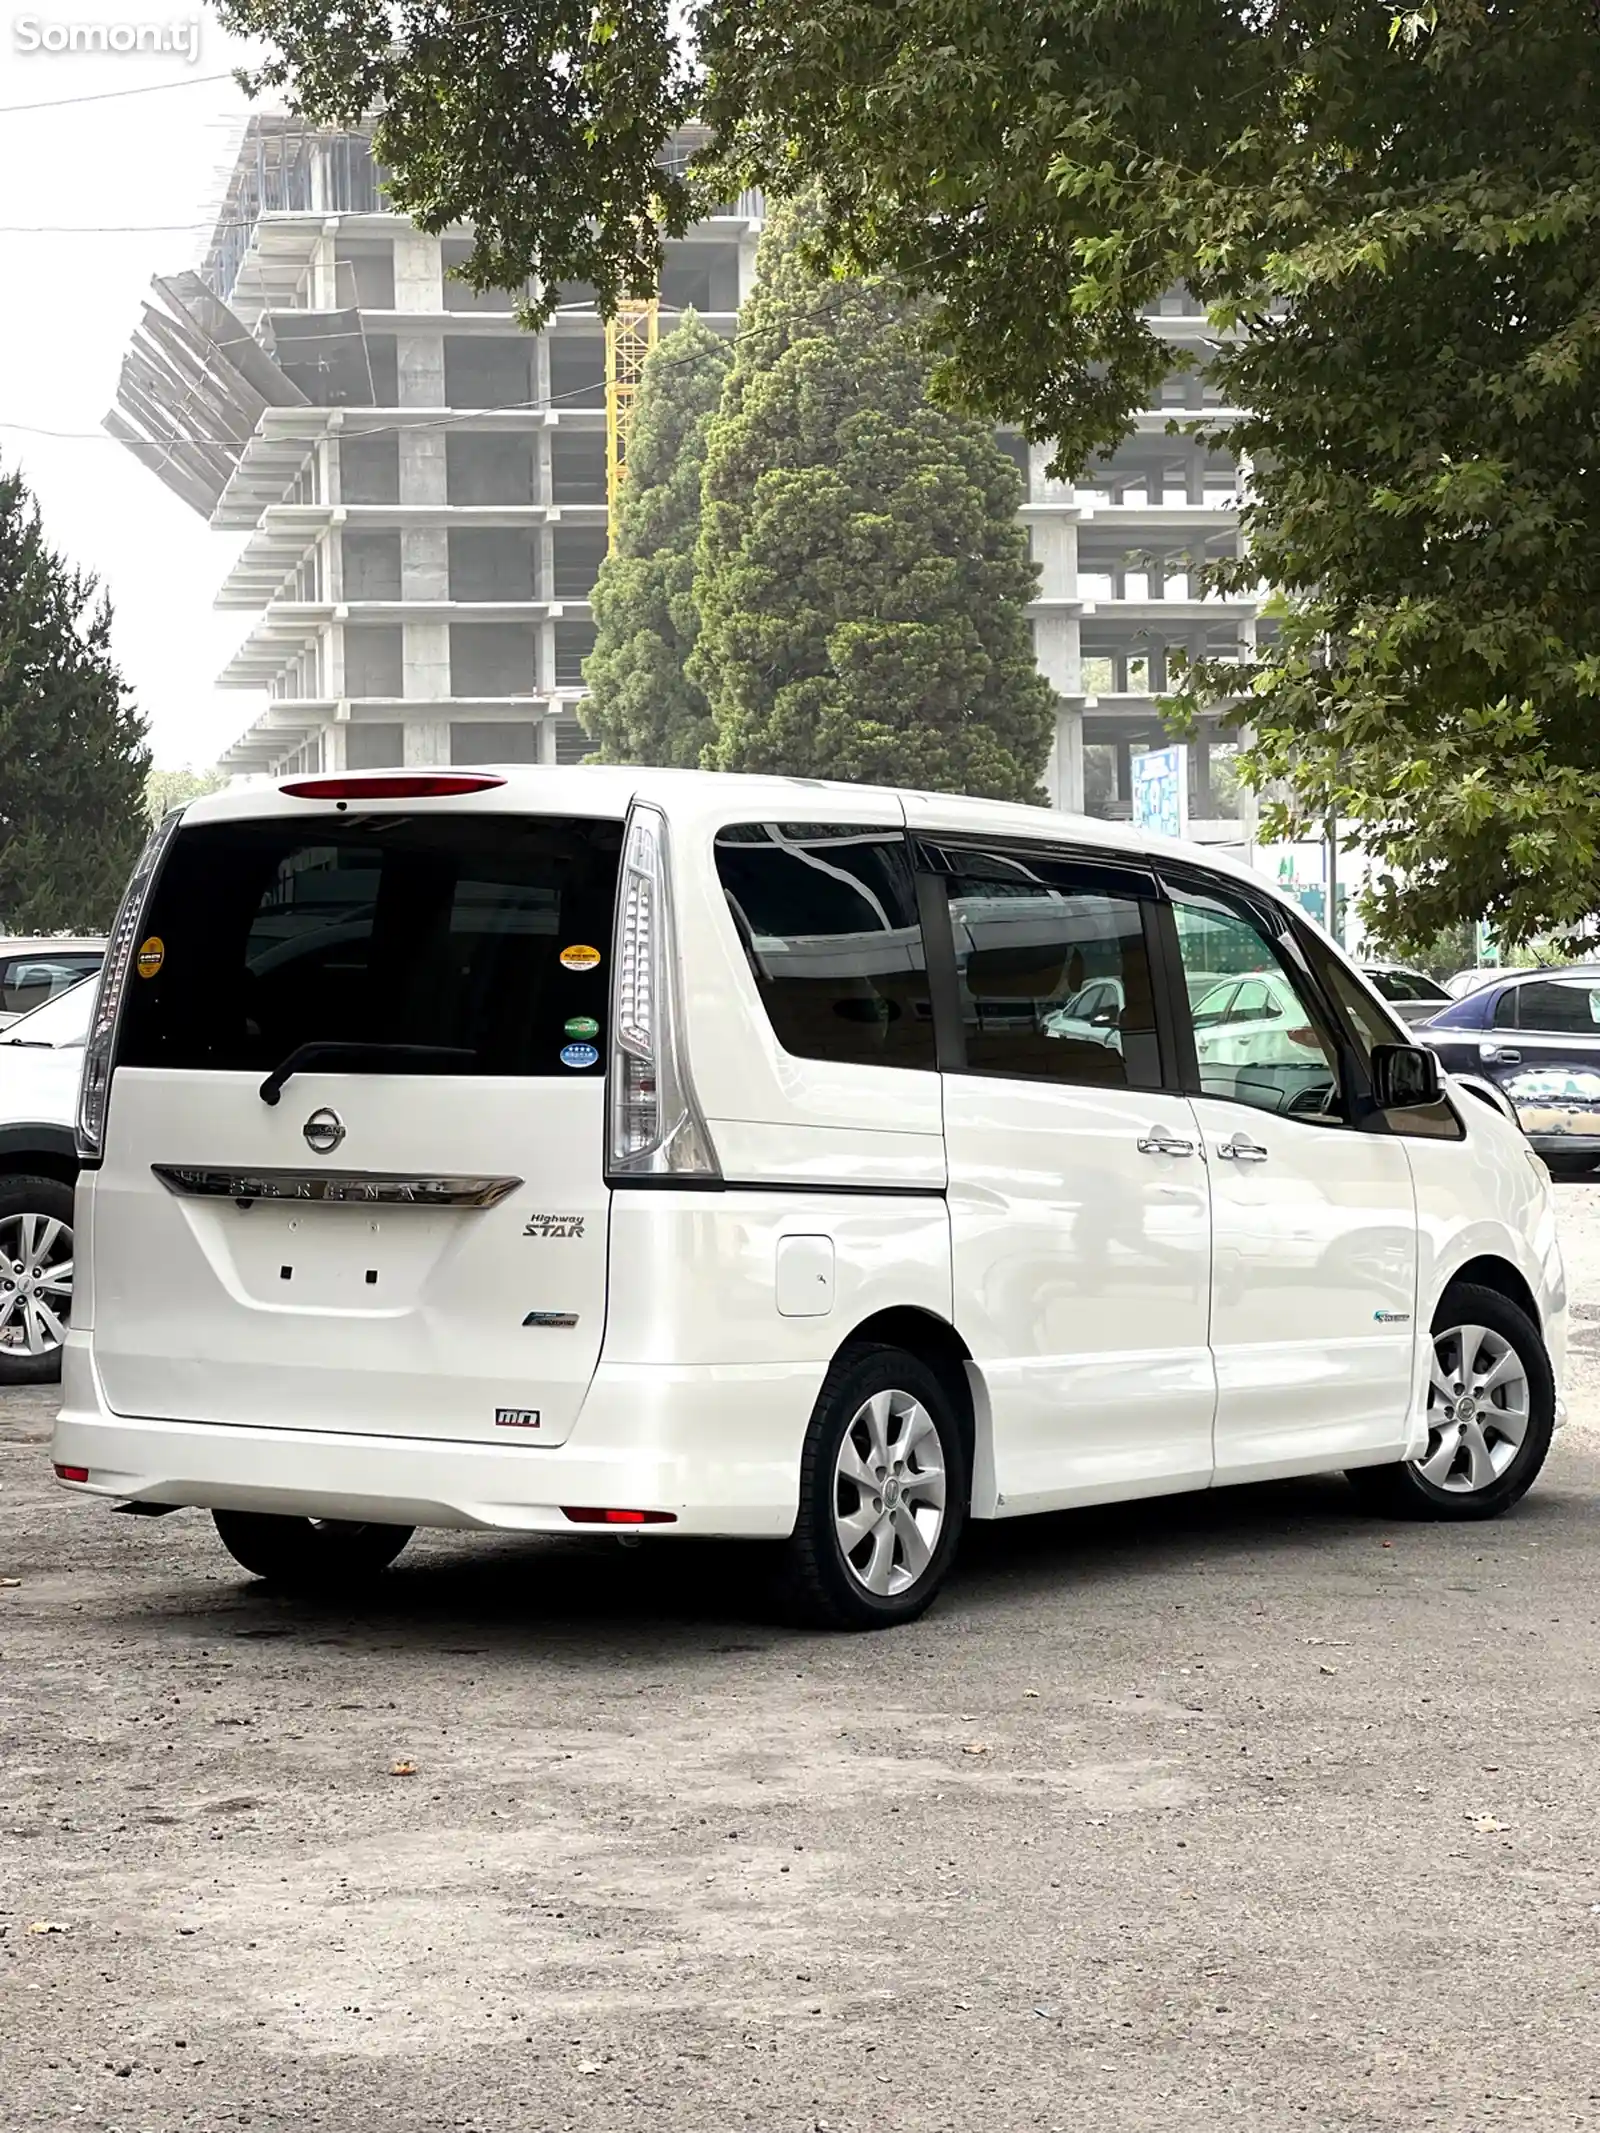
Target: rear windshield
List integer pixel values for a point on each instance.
(487, 934)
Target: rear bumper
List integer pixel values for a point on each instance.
(717, 1447)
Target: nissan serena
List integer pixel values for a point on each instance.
(675, 1154)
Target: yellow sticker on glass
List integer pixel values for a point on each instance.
(580, 958)
(152, 954)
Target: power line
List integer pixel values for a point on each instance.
(114, 229)
(106, 96)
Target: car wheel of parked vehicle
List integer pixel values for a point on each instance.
(309, 1554)
(1491, 1409)
(883, 1493)
(35, 1278)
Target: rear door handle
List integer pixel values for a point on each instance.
(1158, 1141)
(1507, 1054)
(1242, 1149)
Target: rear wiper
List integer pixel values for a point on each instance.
(323, 1050)
(29, 1044)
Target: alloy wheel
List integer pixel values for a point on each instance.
(1479, 1405)
(35, 1283)
(889, 1493)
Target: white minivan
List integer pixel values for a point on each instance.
(560, 1149)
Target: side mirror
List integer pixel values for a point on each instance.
(1405, 1077)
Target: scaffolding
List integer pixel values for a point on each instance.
(630, 336)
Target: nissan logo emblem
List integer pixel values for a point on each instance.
(323, 1131)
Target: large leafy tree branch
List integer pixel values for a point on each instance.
(1393, 212)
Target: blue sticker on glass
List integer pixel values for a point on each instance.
(578, 1055)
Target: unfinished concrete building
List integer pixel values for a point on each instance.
(424, 490)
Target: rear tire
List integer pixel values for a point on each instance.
(1490, 1415)
(35, 1241)
(312, 1555)
(883, 1494)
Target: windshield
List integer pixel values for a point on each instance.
(61, 1022)
(482, 935)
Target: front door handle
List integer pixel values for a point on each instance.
(1242, 1149)
(1507, 1054)
(1158, 1141)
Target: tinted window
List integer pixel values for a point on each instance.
(1055, 978)
(828, 917)
(1562, 1006)
(443, 930)
(27, 981)
(1272, 1053)
(1406, 985)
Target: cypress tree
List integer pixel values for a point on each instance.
(862, 578)
(72, 753)
(641, 706)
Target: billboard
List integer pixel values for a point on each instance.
(1160, 779)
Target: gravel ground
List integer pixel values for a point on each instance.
(1236, 1810)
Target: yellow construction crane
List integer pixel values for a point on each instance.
(630, 336)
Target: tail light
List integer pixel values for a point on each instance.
(656, 1127)
(99, 1052)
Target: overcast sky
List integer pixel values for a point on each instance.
(95, 197)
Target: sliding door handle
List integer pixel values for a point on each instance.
(1158, 1141)
(1241, 1149)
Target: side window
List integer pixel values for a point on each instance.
(1254, 1003)
(828, 917)
(1053, 969)
(1367, 1024)
(1273, 1056)
(26, 982)
(1505, 1009)
(1562, 1007)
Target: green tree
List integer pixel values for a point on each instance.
(641, 706)
(72, 753)
(1398, 203)
(167, 789)
(862, 577)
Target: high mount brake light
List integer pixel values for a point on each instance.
(656, 1127)
(99, 1051)
(430, 786)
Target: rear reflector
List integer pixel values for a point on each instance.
(582, 1517)
(429, 786)
(72, 1473)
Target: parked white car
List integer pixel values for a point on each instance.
(41, 1057)
(570, 1149)
(34, 971)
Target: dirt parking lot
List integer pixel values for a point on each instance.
(1230, 1810)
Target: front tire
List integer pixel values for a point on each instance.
(310, 1555)
(883, 1493)
(1491, 1411)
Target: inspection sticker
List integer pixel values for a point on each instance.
(580, 958)
(582, 1026)
(578, 1055)
(152, 954)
